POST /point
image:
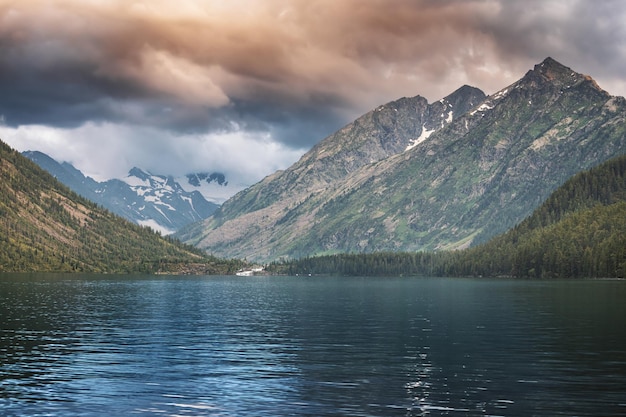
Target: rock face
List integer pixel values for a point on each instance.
(151, 200)
(416, 176)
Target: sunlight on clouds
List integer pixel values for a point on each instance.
(165, 72)
(157, 84)
(185, 9)
(347, 56)
(107, 150)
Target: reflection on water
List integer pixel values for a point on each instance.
(226, 346)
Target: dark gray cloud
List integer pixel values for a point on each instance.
(588, 36)
(287, 72)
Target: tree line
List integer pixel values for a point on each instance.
(579, 232)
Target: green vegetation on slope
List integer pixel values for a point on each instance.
(474, 178)
(279, 216)
(579, 232)
(46, 227)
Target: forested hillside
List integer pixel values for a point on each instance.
(46, 227)
(579, 232)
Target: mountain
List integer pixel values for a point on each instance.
(578, 232)
(44, 226)
(379, 134)
(151, 200)
(158, 201)
(379, 184)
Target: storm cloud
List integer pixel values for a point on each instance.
(185, 78)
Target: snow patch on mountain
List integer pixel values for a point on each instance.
(156, 201)
(134, 181)
(482, 108)
(425, 134)
(500, 94)
(491, 101)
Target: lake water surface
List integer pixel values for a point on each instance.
(286, 346)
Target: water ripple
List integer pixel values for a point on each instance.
(224, 346)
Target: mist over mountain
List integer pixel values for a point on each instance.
(215, 187)
(410, 175)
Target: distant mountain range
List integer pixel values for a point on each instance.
(161, 202)
(411, 176)
(46, 227)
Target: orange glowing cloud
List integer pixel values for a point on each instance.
(344, 55)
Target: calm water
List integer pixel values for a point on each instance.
(281, 346)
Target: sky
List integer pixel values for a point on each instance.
(246, 87)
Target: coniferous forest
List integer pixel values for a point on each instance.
(579, 232)
(46, 227)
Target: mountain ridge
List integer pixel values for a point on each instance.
(147, 199)
(372, 137)
(480, 174)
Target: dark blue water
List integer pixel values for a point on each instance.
(284, 346)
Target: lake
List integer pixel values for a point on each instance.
(95, 345)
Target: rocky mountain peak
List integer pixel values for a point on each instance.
(465, 97)
(552, 72)
(196, 179)
(139, 173)
(382, 183)
(552, 69)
